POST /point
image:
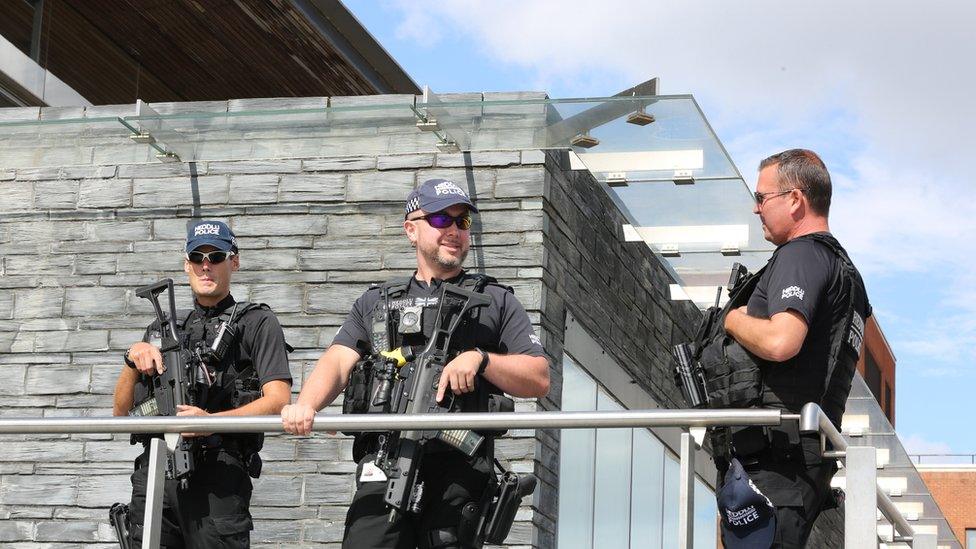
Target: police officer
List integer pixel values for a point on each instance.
(500, 352)
(252, 378)
(803, 324)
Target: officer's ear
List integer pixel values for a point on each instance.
(235, 261)
(798, 202)
(186, 265)
(410, 227)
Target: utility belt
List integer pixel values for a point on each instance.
(768, 444)
(240, 446)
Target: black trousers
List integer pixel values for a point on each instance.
(450, 481)
(797, 482)
(212, 512)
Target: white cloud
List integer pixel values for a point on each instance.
(917, 444)
(882, 89)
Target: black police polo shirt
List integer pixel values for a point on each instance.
(502, 327)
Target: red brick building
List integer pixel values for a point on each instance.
(877, 367)
(954, 488)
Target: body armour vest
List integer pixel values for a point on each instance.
(397, 321)
(734, 377)
(231, 379)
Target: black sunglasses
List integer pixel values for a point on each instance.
(761, 197)
(214, 257)
(441, 220)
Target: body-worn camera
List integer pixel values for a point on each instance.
(411, 320)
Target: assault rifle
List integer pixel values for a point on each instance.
(415, 393)
(175, 386)
(689, 375)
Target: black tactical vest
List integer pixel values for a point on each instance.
(234, 381)
(791, 388)
(735, 378)
(391, 310)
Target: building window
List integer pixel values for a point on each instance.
(887, 403)
(619, 487)
(872, 376)
(970, 538)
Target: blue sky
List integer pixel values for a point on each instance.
(880, 89)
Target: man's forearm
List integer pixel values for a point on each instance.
(519, 375)
(123, 396)
(777, 339)
(328, 379)
(275, 395)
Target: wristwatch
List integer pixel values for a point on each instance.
(484, 360)
(127, 360)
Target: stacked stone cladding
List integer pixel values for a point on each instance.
(315, 231)
(77, 240)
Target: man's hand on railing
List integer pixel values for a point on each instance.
(298, 418)
(192, 411)
(147, 358)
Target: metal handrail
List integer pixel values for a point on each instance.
(684, 419)
(917, 458)
(813, 419)
(396, 422)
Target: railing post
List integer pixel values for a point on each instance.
(686, 495)
(152, 520)
(925, 541)
(861, 498)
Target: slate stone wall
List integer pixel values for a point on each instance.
(75, 242)
(101, 218)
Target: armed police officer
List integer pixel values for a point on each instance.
(245, 361)
(802, 325)
(494, 350)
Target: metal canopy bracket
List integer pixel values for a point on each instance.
(146, 122)
(434, 117)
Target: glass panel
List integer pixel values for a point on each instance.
(611, 501)
(68, 142)
(706, 516)
(576, 462)
(671, 496)
(970, 539)
(579, 389)
(647, 487)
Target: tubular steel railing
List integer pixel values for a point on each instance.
(863, 496)
(860, 520)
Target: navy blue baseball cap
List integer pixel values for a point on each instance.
(435, 195)
(748, 517)
(210, 233)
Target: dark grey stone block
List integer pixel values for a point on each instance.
(340, 164)
(253, 189)
(313, 188)
(380, 186)
(486, 158)
(404, 161)
(55, 380)
(160, 169)
(520, 182)
(178, 191)
(104, 193)
(254, 167)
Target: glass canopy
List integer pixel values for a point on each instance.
(657, 155)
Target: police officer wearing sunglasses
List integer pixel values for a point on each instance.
(250, 377)
(498, 351)
(801, 320)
